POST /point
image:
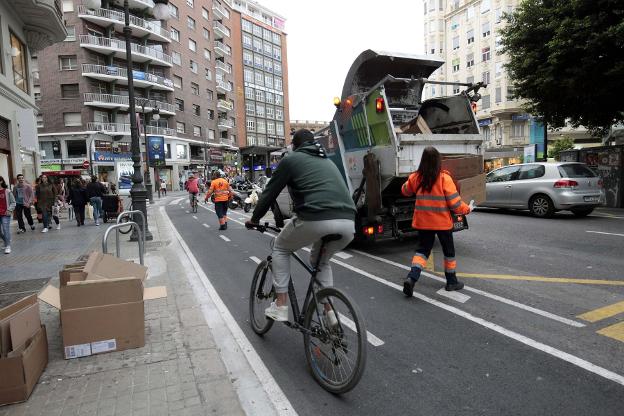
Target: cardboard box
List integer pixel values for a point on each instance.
(415, 126)
(462, 166)
(101, 305)
(18, 323)
(472, 188)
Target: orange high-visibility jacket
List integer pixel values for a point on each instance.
(221, 189)
(432, 210)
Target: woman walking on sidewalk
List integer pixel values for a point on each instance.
(77, 197)
(24, 197)
(46, 198)
(436, 196)
(7, 205)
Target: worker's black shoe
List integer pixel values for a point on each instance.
(408, 287)
(452, 286)
(225, 226)
(222, 227)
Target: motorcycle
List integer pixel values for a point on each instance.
(252, 198)
(237, 199)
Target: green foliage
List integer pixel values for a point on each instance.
(566, 59)
(565, 143)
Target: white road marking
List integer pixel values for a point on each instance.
(188, 212)
(343, 255)
(255, 259)
(195, 216)
(206, 225)
(601, 232)
(372, 339)
(226, 328)
(224, 238)
(485, 294)
(454, 295)
(176, 201)
(572, 359)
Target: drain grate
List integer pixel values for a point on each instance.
(15, 290)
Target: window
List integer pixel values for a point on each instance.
(485, 6)
(211, 134)
(270, 112)
(268, 65)
(247, 57)
(257, 45)
(190, 22)
(211, 114)
(485, 29)
(206, 33)
(177, 81)
(204, 13)
(532, 171)
(37, 92)
(193, 66)
(72, 119)
(510, 93)
(181, 152)
(470, 80)
(179, 104)
(71, 33)
(574, 170)
(278, 84)
(68, 6)
(497, 15)
(498, 95)
(196, 110)
(485, 54)
(268, 48)
(455, 89)
(455, 42)
(470, 12)
(168, 148)
(486, 77)
(76, 148)
(208, 74)
(279, 100)
(277, 53)
(247, 42)
(207, 54)
(192, 45)
(260, 126)
(258, 61)
(190, 3)
(209, 95)
(485, 102)
(250, 109)
(470, 36)
(486, 133)
(260, 110)
(498, 43)
(173, 11)
(197, 131)
(257, 30)
(249, 93)
(180, 127)
(247, 26)
(454, 23)
(176, 58)
(517, 129)
(498, 69)
(248, 75)
(20, 72)
(269, 97)
(194, 88)
(277, 39)
(175, 34)
(259, 78)
(266, 34)
(39, 120)
(469, 60)
(279, 128)
(505, 174)
(279, 114)
(270, 127)
(455, 64)
(251, 124)
(69, 91)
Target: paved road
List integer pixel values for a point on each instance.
(506, 347)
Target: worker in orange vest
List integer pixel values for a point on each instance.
(222, 194)
(436, 196)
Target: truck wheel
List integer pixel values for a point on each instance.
(541, 206)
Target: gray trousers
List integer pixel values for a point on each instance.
(298, 234)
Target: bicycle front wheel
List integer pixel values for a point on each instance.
(335, 348)
(261, 296)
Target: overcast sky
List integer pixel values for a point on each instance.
(333, 33)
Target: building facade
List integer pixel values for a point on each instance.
(312, 125)
(25, 28)
(182, 71)
(261, 82)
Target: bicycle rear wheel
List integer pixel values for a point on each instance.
(336, 354)
(261, 296)
(194, 205)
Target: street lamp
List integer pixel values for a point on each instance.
(155, 116)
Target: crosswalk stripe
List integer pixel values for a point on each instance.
(206, 225)
(255, 259)
(603, 313)
(614, 331)
(343, 255)
(224, 238)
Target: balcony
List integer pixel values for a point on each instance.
(223, 87)
(225, 105)
(220, 12)
(121, 128)
(140, 27)
(43, 22)
(122, 102)
(120, 76)
(222, 66)
(222, 49)
(220, 30)
(117, 48)
(224, 123)
(140, 4)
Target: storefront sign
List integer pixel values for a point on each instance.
(215, 155)
(485, 122)
(520, 117)
(51, 167)
(156, 150)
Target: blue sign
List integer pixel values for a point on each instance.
(138, 75)
(485, 122)
(520, 117)
(156, 151)
(100, 156)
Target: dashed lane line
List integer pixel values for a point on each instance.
(206, 225)
(255, 259)
(195, 217)
(343, 255)
(602, 232)
(224, 238)
(371, 338)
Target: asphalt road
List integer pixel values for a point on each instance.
(508, 346)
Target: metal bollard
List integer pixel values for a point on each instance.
(115, 227)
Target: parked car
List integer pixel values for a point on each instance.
(545, 188)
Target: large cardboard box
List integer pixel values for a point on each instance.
(101, 305)
(462, 166)
(24, 350)
(472, 188)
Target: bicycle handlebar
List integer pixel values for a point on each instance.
(262, 228)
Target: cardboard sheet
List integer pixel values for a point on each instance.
(156, 292)
(24, 325)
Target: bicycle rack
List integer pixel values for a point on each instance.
(127, 214)
(116, 227)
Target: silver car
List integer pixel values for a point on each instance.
(544, 188)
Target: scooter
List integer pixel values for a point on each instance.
(252, 199)
(237, 200)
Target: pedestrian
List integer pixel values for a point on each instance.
(46, 198)
(77, 197)
(24, 197)
(95, 192)
(222, 195)
(163, 187)
(7, 205)
(436, 197)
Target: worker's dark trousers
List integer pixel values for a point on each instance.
(426, 239)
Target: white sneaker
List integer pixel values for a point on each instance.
(330, 319)
(7, 250)
(45, 230)
(277, 313)
(58, 226)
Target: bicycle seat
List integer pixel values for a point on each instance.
(331, 237)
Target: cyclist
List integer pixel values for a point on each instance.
(192, 188)
(322, 206)
(222, 194)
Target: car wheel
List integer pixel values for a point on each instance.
(541, 206)
(582, 212)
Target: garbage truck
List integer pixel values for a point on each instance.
(381, 127)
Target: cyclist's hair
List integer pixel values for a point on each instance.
(215, 174)
(300, 137)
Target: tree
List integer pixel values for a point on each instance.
(565, 143)
(566, 60)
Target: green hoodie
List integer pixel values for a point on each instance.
(316, 186)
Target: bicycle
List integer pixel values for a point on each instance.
(194, 203)
(328, 345)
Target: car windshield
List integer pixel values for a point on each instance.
(576, 170)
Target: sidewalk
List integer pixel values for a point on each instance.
(190, 365)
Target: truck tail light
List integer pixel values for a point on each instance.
(566, 183)
(380, 229)
(380, 105)
(369, 230)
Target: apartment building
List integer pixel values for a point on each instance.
(182, 75)
(25, 28)
(261, 80)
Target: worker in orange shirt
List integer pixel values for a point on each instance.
(222, 194)
(436, 196)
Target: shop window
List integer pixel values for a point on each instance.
(76, 148)
(50, 150)
(181, 151)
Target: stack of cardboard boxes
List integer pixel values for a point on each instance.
(467, 172)
(101, 303)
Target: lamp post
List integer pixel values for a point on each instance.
(155, 116)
